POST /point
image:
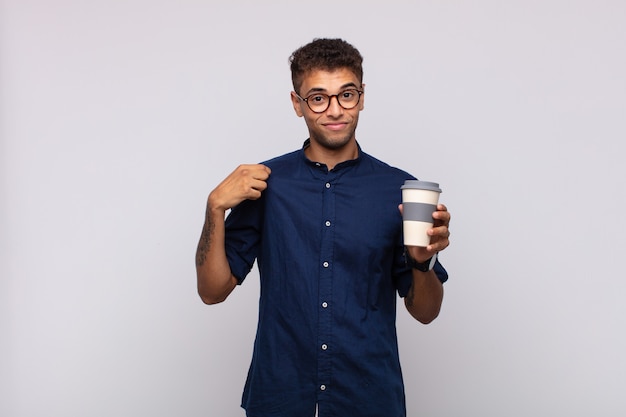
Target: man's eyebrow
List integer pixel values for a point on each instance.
(323, 90)
(348, 85)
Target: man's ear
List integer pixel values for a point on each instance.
(297, 106)
(362, 101)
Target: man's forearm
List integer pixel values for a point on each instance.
(425, 296)
(215, 280)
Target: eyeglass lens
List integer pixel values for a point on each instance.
(347, 99)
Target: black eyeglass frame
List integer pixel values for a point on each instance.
(330, 97)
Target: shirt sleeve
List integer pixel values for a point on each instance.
(243, 237)
(441, 272)
(404, 275)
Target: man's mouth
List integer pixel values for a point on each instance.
(335, 126)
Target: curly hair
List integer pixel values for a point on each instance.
(324, 54)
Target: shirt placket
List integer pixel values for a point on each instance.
(325, 303)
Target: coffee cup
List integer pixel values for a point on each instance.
(419, 202)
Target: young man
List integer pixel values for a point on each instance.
(324, 224)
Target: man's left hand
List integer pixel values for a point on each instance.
(439, 236)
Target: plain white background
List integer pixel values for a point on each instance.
(117, 118)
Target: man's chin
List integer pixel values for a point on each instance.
(333, 143)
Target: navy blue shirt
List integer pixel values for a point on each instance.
(331, 259)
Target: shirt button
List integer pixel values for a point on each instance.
(327, 223)
(324, 346)
(324, 304)
(323, 387)
(327, 185)
(325, 264)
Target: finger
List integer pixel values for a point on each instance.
(439, 245)
(261, 172)
(253, 194)
(259, 185)
(256, 171)
(438, 232)
(442, 216)
(255, 189)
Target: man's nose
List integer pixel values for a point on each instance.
(334, 108)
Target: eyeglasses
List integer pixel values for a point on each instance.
(319, 103)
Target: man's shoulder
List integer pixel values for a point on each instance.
(378, 166)
(283, 160)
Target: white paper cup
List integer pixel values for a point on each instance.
(419, 202)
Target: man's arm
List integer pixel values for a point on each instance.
(426, 293)
(215, 279)
(425, 296)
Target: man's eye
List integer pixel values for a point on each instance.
(317, 98)
(348, 94)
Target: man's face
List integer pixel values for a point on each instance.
(335, 127)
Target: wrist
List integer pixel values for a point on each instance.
(424, 266)
(215, 206)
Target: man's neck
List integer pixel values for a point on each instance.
(332, 157)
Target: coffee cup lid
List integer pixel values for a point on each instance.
(421, 185)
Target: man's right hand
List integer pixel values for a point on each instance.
(247, 182)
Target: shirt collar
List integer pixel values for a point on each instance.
(339, 166)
